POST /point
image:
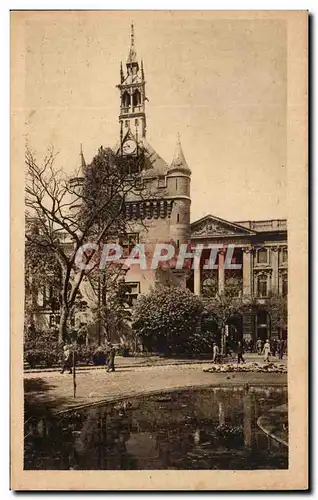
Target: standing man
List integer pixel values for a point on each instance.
(240, 352)
(274, 347)
(67, 361)
(281, 346)
(111, 358)
(259, 346)
(216, 353)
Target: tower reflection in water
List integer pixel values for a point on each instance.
(212, 428)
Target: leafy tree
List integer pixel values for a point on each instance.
(42, 272)
(278, 309)
(71, 214)
(166, 318)
(227, 305)
(108, 295)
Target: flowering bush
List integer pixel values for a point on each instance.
(247, 367)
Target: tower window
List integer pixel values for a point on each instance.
(136, 122)
(126, 123)
(125, 100)
(176, 184)
(136, 98)
(178, 217)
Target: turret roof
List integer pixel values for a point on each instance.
(179, 160)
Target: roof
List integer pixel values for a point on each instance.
(179, 161)
(210, 225)
(156, 166)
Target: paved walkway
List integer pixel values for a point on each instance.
(134, 361)
(51, 391)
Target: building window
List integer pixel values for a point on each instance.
(162, 181)
(132, 292)
(136, 122)
(126, 123)
(262, 286)
(178, 217)
(285, 285)
(283, 256)
(128, 241)
(42, 296)
(54, 320)
(262, 256)
(176, 184)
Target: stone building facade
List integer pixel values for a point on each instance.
(260, 246)
(163, 216)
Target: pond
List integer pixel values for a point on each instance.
(210, 428)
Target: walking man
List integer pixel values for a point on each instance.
(259, 346)
(240, 352)
(111, 358)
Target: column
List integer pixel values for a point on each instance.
(274, 263)
(247, 271)
(221, 272)
(197, 280)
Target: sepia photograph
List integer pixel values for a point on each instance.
(159, 211)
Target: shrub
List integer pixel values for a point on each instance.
(166, 318)
(43, 350)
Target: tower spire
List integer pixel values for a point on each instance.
(83, 163)
(132, 56)
(179, 160)
(132, 93)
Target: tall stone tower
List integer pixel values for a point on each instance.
(160, 211)
(178, 187)
(132, 94)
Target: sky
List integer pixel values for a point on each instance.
(221, 82)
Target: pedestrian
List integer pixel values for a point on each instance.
(240, 352)
(266, 351)
(216, 353)
(67, 361)
(274, 347)
(281, 348)
(250, 345)
(111, 358)
(228, 350)
(259, 346)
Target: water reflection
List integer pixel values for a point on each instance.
(198, 429)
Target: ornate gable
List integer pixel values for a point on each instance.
(211, 226)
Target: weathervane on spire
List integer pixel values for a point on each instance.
(132, 35)
(132, 52)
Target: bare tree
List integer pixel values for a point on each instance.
(71, 213)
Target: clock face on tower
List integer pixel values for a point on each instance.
(129, 147)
